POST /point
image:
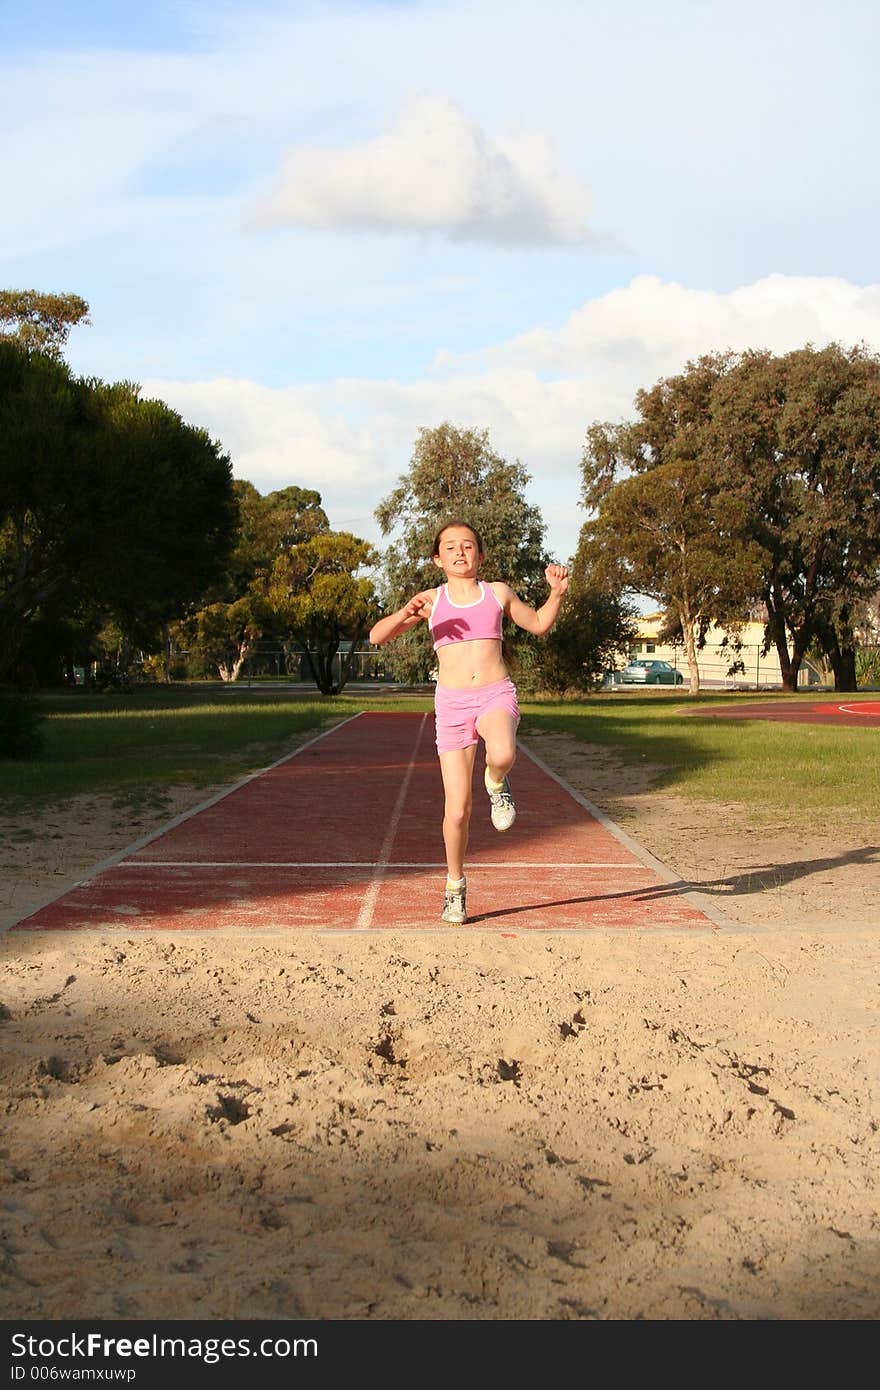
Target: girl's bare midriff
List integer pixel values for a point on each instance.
(463, 665)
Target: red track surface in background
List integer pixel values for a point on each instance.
(345, 834)
(864, 713)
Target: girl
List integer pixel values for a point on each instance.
(475, 695)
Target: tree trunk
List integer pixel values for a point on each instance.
(229, 670)
(325, 652)
(310, 663)
(347, 662)
(777, 635)
(845, 679)
(690, 647)
(11, 638)
(799, 651)
(315, 665)
(838, 644)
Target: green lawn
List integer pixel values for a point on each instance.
(803, 770)
(136, 746)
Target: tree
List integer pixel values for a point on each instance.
(320, 598)
(44, 515)
(223, 632)
(454, 472)
(669, 529)
(61, 636)
(799, 436)
(750, 471)
(595, 626)
(40, 321)
(108, 503)
(267, 525)
(222, 635)
(166, 512)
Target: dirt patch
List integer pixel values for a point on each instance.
(757, 869)
(41, 858)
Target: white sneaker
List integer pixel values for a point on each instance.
(455, 905)
(503, 808)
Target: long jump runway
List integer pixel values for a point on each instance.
(345, 834)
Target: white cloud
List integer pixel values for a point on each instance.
(274, 436)
(662, 324)
(537, 393)
(433, 171)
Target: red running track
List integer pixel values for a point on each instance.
(858, 713)
(345, 834)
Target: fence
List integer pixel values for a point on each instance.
(270, 661)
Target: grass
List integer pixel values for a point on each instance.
(134, 747)
(804, 770)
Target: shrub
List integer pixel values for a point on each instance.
(868, 666)
(20, 733)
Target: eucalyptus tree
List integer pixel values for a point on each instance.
(799, 437)
(661, 522)
(320, 593)
(219, 637)
(749, 480)
(455, 473)
(222, 631)
(267, 525)
(40, 321)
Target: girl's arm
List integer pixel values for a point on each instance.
(537, 621)
(418, 607)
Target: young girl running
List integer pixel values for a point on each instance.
(475, 696)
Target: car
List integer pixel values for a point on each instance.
(651, 673)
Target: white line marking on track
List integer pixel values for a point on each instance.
(368, 906)
(367, 864)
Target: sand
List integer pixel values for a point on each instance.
(457, 1124)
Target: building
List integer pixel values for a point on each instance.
(759, 671)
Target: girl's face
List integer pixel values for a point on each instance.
(458, 555)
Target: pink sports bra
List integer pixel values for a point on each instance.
(465, 622)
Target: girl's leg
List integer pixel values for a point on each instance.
(457, 768)
(497, 728)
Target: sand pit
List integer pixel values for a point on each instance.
(617, 1125)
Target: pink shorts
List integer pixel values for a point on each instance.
(457, 712)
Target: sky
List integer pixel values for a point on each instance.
(315, 229)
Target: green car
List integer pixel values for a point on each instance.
(651, 673)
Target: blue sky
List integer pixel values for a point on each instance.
(316, 228)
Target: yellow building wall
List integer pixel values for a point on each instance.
(760, 669)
